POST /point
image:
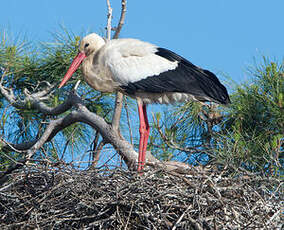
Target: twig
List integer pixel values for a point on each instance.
(181, 217)
(130, 212)
(121, 20)
(195, 223)
(76, 85)
(128, 121)
(4, 177)
(35, 100)
(96, 154)
(119, 95)
(109, 17)
(117, 111)
(273, 217)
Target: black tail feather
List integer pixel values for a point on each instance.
(207, 81)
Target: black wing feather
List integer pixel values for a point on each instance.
(186, 78)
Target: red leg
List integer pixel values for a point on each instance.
(142, 131)
(146, 134)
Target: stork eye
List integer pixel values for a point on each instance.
(86, 45)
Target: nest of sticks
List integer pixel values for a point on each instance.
(119, 199)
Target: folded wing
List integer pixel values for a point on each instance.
(142, 67)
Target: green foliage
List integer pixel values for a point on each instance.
(177, 131)
(253, 132)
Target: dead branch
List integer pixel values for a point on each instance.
(128, 121)
(109, 17)
(117, 111)
(96, 154)
(35, 100)
(119, 95)
(121, 20)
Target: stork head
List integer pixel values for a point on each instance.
(88, 45)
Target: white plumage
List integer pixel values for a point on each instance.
(145, 72)
(130, 60)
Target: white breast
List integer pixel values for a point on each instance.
(98, 76)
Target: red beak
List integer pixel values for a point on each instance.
(73, 67)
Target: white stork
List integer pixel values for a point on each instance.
(145, 72)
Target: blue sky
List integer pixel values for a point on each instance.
(221, 35)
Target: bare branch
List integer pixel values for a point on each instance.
(128, 122)
(109, 17)
(22, 104)
(180, 218)
(96, 150)
(109, 135)
(96, 154)
(117, 111)
(9, 147)
(35, 100)
(121, 20)
(119, 95)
